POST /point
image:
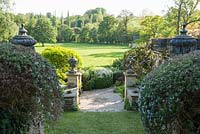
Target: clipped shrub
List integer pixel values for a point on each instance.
(119, 64)
(144, 60)
(170, 96)
(118, 76)
(118, 71)
(29, 89)
(97, 78)
(59, 57)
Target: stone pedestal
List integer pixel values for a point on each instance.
(131, 92)
(72, 91)
(132, 96)
(74, 79)
(129, 81)
(71, 99)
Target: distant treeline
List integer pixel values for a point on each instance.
(97, 26)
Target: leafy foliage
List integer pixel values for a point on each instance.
(154, 27)
(65, 34)
(119, 64)
(8, 28)
(169, 101)
(5, 4)
(29, 89)
(106, 29)
(185, 11)
(88, 33)
(97, 78)
(144, 60)
(120, 89)
(59, 57)
(44, 31)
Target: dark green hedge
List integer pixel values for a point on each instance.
(97, 78)
(170, 97)
(29, 88)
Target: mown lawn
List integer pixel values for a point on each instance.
(97, 123)
(94, 54)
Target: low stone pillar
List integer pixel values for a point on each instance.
(131, 92)
(74, 81)
(130, 79)
(70, 99)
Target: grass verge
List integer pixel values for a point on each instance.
(97, 123)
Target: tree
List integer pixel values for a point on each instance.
(44, 32)
(94, 15)
(126, 16)
(8, 27)
(154, 27)
(5, 4)
(96, 11)
(30, 23)
(106, 29)
(94, 35)
(65, 34)
(88, 33)
(185, 11)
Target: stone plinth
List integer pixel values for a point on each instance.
(70, 98)
(74, 81)
(130, 79)
(131, 93)
(72, 91)
(132, 96)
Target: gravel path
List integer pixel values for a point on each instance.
(102, 100)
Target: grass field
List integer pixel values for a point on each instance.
(98, 123)
(94, 54)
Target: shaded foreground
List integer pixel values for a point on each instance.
(97, 123)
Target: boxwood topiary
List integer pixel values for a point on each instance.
(29, 89)
(59, 57)
(170, 97)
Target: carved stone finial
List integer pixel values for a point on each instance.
(183, 31)
(73, 63)
(130, 64)
(22, 30)
(23, 39)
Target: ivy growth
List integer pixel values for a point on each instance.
(170, 96)
(29, 89)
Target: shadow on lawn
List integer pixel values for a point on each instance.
(112, 55)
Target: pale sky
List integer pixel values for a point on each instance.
(78, 7)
